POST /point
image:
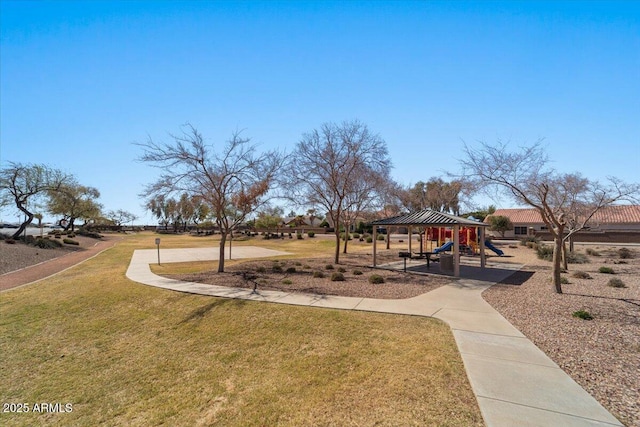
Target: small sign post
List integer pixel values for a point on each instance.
(158, 245)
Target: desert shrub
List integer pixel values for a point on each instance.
(545, 252)
(276, 269)
(47, 244)
(357, 273)
(581, 275)
(71, 241)
(625, 253)
(380, 236)
(10, 242)
(299, 236)
(311, 234)
(341, 270)
(344, 236)
(369, 239)
(261, 270)
(337, 277)
(298, 263)
(376, 279)
(577, 258)
(529, 239)
(606, 270)
(328, 267)
(318, 274)
(291, 270)
(306, 267)
(286, 282)
(356, 235)
(592, 252)
(582, 314)
(564, 280)
(616, 283)
(57, 236)
(91, 234)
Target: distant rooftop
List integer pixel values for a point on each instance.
(620, 214)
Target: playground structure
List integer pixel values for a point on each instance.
(442, 238)
(429, 224)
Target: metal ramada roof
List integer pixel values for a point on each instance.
(429, 218)
(624, 214)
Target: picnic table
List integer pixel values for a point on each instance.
(416, 255)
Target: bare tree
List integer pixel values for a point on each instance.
(395, 200)
(327, 161)
(22, 184)
(362, 195)
(232, 181)
(566, 202)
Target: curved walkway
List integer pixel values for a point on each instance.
(515, 383)
(53, 266)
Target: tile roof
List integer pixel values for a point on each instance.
(620, 214)
(428, 217)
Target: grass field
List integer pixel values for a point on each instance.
(122, 353)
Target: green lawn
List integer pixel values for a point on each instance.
(127, 354)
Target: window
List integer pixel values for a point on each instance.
(520, 230)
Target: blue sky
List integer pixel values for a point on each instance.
(81, 81)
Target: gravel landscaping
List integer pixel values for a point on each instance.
(18, 255)
(315, 276)
(602, 354)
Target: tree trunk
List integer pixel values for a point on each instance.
(22, 227)
(347, 226)
(565, 260)
(223, 242)
(388, 237)
(557, 258)
(336, 259)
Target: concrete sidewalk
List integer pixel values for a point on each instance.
(515, 383)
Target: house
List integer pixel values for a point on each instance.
(302, 221)
(618, 223)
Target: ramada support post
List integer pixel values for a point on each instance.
(483, 256)
(456, 250)
(375, 244)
